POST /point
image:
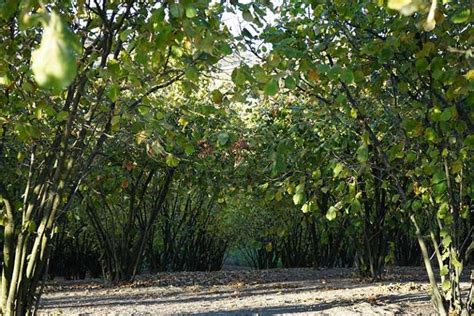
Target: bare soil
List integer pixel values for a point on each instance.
(245, 292)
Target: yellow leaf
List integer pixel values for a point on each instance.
(406, 7)
(140, 137)
(470, 75)
(269, 247)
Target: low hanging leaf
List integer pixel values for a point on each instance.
(54, 62)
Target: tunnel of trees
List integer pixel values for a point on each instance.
(145, 136)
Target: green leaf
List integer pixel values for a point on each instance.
(246, 33)
(189, 149)
(456, 263)
(308, 207)
(353, 112)
(409, 124)
(192, 73)
(115, 120)
(191, 12)
(446, 285)
(278, 196)
(124, 34)
(347, 76)
(278, 164)
(177, 51)
(223, 137)
(444, 270)
(238, 76)
(290, 82)
(3, 218)
(298, 198)
(446, 241)
(448, 114)
(172, 161)
(176, 10)
(159, 115)
(431, 135)
(226, 49)
(363, 153)
(416, 205)
(443, 211)
(26, 131)
(411, 156)
(143, 110)
(421, 64)
(113, 92)
(264, 186)
(469, 141)
(247, 15)
(216, 96)
(62, 116)
(260, 75)
(299, 188)
(271, 87)
(54, 62)
(4, 80)
(332, 213)
(31, 225)
(316, 174)
(356, 205)
(337, 169)
(461, 16)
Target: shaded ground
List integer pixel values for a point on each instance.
(304, 291)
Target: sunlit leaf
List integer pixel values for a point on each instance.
(54, 62)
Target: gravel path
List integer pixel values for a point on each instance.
(267, 292)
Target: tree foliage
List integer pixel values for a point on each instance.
(343, 135)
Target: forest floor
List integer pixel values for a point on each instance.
(245, 292)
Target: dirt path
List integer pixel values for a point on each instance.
(301, 291)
